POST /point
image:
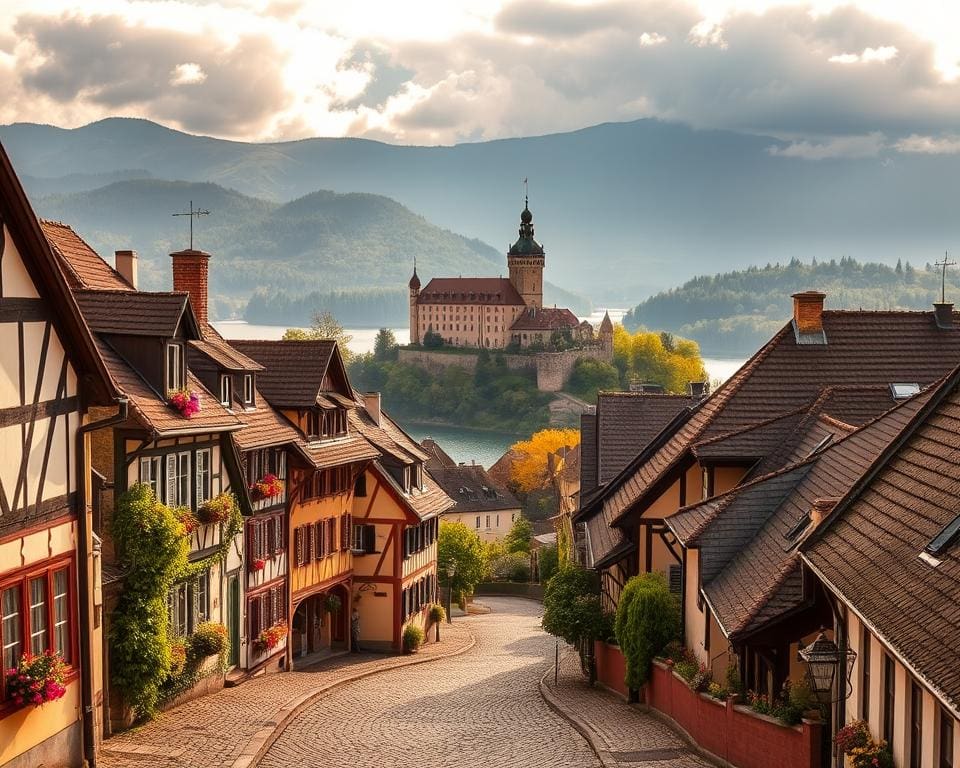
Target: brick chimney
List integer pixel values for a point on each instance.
(943, 314)
(190, 269)
(821, 508)
(371, 401)
(808, 311)
(126, 262)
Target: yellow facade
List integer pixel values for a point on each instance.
(469, 325)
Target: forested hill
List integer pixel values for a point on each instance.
(735, 312)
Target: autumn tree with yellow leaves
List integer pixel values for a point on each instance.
(649, 357)
(529, 471)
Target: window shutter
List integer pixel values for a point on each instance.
(332, 535)
(369, 538)
(298, 545)
(255, 616)
(270, 539)
(171, 479)
(675, 579)
(198, 478)
(278, 534)
(311, 542)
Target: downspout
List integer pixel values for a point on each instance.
(83, 578)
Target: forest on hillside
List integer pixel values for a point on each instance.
(734, 313)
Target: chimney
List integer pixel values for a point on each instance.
(126, 262)
(820, 509)
(371, 401)
(943, 314)
(697, 389)
(808, 311)
(190, 276)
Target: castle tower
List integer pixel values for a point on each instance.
(525, 260)
(606, 335)
(414, 309)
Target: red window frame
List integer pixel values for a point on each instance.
(22, 579)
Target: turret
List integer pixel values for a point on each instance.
(525, 260)
(414, 309)
(606, 333)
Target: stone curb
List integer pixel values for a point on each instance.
(584, 728)
(263, 739)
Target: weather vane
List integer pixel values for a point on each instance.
(943, 276)
(193, 214)
(526, 193)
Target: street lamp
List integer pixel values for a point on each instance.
(823, 659)
(451, 570)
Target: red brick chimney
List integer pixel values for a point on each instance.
(190, 276)
(808, 311)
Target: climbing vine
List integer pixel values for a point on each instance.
(152, 546)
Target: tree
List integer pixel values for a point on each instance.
(432, 340)
(529, 472)
(648, 617)
(518, 539)
(548, 561)
(571, 605)
(461, 548)
(590, 376)
(385, 345)
(323, 326)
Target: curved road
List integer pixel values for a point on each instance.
(482, 709)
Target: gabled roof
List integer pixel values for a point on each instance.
(137, 313)
(264, 427)
(588, 453)
(82, 265)
(470, 290)
(474, 490)
(869, 550)
(436, 456)
(225, 356)
(294, 371)
(545, 319)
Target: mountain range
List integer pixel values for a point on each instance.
(623, 209)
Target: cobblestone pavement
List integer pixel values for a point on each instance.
(625, 736)
(479, 710)
(214, 731)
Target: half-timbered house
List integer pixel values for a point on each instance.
(396, 516)
(50, 375)
(306, 381)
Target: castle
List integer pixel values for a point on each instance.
(498, 312)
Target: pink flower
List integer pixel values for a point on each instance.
(37, 698)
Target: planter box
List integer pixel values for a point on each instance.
(732, 732)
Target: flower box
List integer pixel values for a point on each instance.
(270, 638)
(185, 403)
(266, 488)
(258, 565)
(216, 510)
(37, 679)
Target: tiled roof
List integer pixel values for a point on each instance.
(588, 452)
(473, 489)
(627, 422)
(862, 348)
(436, 456)
(870, 551)
(294, 370)
(82, 265)
(225, 356)
(387, 437)
(263, 427)
(338, 451)
(749, 564)
(152, 410)
(604, 543)
(544, 319)
(752, 443)
(500, 470)
(470, 290)
(134, 313)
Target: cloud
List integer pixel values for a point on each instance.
(647, 40)
(869, 145)
(187, 74)
(869, 55)
(929, 145)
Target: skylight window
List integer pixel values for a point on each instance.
(800, 527)
(904, 391)
(945, 538)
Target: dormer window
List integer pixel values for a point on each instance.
(248, 390)
(175, 373)
(418, 475)
(226, 390)
(326, 423)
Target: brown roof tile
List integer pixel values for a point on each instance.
(294, 370)
(545, 319)
(470, 290)
(135, 313)
(473, 489)
(225, 356)
(436, 456)
(82, 265)
(263, 427)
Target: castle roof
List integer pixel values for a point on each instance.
(470, 290)
(545, 319)
(526, 245)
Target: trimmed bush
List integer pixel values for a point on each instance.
(513, 566)
(412, 638)
(571, 605)
(648, 618)
(208, 639)
(437, 613)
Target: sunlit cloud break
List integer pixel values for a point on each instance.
(869, 55)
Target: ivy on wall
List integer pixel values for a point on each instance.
(152, 546)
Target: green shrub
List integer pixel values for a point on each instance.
(412, 638)
(216, 510)
(437, 613)
(648, 618)
(209, 638)
(548, 560)
(732, 678)
(513, 566)
(571, 605)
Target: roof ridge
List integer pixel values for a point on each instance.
(785, 571)
(756, 425)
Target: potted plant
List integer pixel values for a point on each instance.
(258, 564)
(437, 615)
(266, 488)
(36, 679)
(187, 519)
(412, 638)
(186, 403)
(270, 638)
(332, 603)
(216, 510)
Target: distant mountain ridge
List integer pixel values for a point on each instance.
(623, 209)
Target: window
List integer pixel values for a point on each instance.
(865, 677)
(61, 613)
(188, 605)
(488, 521)
(945, 747)
(478, 522)
(38, 615)
(11, 630)
(360, 487)
(916, 725)
(203, 476)
(265, 609)
(150, 473)
(265, 535)
(364, 538)
(675, 578)
(178, 479)
(248, 389)
(174, 367)
(889, 688)
(226, 390)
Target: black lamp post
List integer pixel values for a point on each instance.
(824, 659)
(451, 572)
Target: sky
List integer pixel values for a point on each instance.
(834, 79)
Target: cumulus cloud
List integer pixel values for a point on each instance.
(647, 39)
(869, 145)
(929, 145)
(881, 54)
(188, 73)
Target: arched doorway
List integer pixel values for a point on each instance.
(321, 624)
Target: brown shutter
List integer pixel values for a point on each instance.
(369, 538)
(309, 544)
(254, 607)
(298, 545)
(332, 535)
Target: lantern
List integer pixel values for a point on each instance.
(823, 659)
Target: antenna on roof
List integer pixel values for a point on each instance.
(943, 276)
(526, 193)
(193, 214)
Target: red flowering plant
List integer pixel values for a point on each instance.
(267, 487)
(270, 638)
(258, 565)
(187, 403)
(187, 519)
(37, 679)
(216, 510)
(852, 736)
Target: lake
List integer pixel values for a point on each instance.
(465, 445)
